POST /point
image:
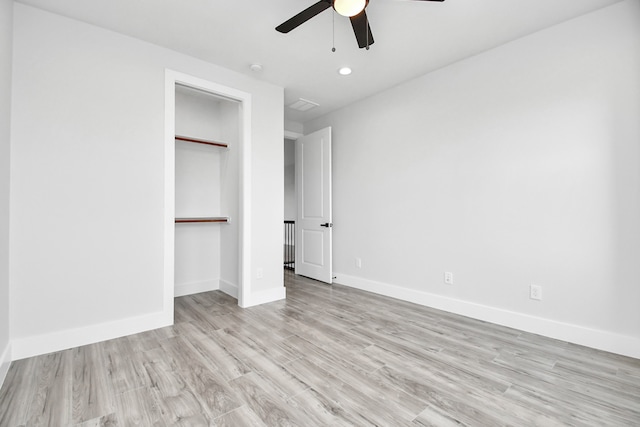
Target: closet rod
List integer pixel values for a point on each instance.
(204, 219)
(201, 141)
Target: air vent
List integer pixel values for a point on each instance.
(303, 105)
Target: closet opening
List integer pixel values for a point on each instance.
(207, 188)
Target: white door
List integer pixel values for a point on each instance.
(313, 191)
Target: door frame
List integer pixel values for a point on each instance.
(244, 218)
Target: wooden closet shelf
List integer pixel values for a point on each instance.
(202, 141)
(203, 219)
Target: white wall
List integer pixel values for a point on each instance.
(517, 166)
(87, 192)
(6, 38)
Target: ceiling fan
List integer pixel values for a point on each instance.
(353, 9)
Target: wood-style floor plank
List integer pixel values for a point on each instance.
(139, 408)
(18, 388)
(110, 420)
(54, 384)
(328, 355)
(123, 371)
(211, 389)
(91, 395)
(272, 410)
(241, 417)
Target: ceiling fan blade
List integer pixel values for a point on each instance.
(303, 16)
(362, 30)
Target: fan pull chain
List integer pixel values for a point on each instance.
(333, 31)
(367, 30)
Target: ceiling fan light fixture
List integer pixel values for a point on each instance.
(349, 7)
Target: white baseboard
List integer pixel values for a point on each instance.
(5, 362)
(229, 288)
(264, 297)
(62, 340)
(182, 289)
(594, 338)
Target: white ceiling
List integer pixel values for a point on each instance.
(411, 37)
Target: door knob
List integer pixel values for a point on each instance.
(326, 224)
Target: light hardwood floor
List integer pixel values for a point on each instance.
(327, 356)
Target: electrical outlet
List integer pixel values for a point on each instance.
(448, 278)
(535, 292)
(259, 273)
(358, 262)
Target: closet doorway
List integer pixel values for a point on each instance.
(207, 188)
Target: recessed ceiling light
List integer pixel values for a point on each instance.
(344, 71)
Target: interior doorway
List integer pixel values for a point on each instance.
(241, 106)
(289, 204)
(308, 223)
(206, 193)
